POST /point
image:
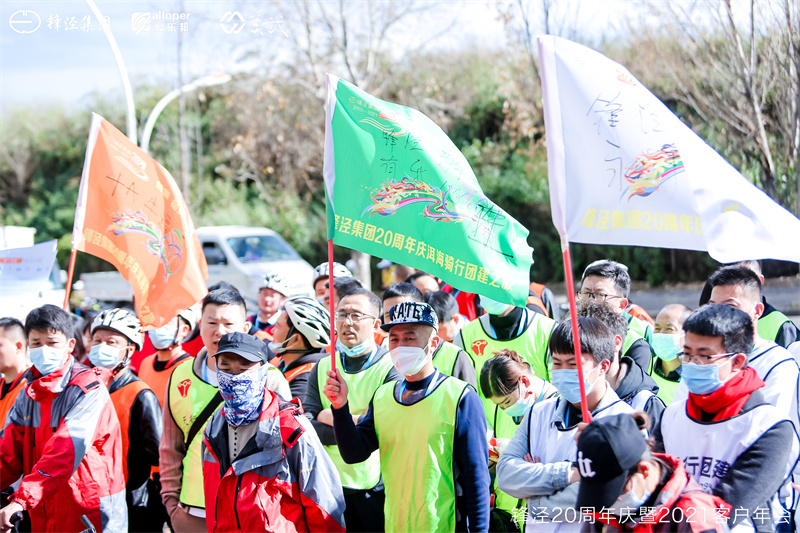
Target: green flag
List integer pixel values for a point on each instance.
(398, 188)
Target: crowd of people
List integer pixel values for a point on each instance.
(433, 410)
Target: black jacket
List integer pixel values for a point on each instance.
(635, 381)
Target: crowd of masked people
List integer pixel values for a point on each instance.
(435, 410)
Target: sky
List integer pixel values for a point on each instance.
(55, 51)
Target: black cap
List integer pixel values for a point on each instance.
(608, 448)
(411, 313)
(243, 345)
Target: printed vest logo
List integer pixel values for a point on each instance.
(479, 345)
(183, 387)
(585, 466)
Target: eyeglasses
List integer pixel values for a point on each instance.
(599, 296)
(703, 359)
(354, 317)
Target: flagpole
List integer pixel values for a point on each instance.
(576, 339)
(330, 297)
(70, 273)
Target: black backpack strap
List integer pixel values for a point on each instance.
(202, 418)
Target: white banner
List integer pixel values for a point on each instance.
(26, 266)
(623, 169)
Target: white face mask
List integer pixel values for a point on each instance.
(408, 360)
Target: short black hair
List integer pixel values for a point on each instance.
(222, 285)
(224, 296)
(616, 272)
(596, 339)
(346, 285)
(50, 317)
(733, 325)
(372, 298)
(736, 275)
(403, 289)
(443, 303)
(602, 312)
(13, 329)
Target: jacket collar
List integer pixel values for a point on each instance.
(44, 387)
(559, 419)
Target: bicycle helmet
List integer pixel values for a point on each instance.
(123, 321)
(191, 316)
(275, 281)
(310, 318)
(339, 270)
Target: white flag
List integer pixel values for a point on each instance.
(623, 169)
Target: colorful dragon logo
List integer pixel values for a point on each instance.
(395, 194)
(167, 248)
(650, 170)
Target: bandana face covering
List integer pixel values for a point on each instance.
(242, 394)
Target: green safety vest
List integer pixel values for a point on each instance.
(637, 329)
(188, 395)
(361, 386)
(531, 345)
(416, 451)
(666, 387)
(444, 358)
(769, 325)
(504, 427)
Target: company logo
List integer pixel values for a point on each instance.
(140, 22)
(479, 346)
(232, 22)
(25, 21)
(585, 466)
(183, 387)
(651, 170)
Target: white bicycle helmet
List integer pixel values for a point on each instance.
(191, 316)
(123, 321)
(310, 318)
(339, 271)
(275, 281)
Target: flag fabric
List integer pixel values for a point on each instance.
(623, 169)
(398, 188)
(26, 268)
(132, 214)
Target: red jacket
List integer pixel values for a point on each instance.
(680, 497)
(63, 436)
(282, 481)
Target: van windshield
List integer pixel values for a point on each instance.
(257, 248)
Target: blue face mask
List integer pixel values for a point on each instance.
(104, 355)
(566, 381)
(702, 379)
(243, 394)
(163, 337)
(358, 349)
(47, 359)
(629, 502)
(493, 307)
(521, 406)
(666, 345)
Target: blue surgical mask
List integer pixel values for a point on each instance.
(630, 502)
(521, 406)
(243, 394)
(163, 337)
(359, 349)
(47, 359)
(493, 307)
(278, 348)
(566, 381)
(104, 355)
(702, 379)
(666, 345)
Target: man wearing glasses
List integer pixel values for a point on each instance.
(734, 444)
(609, 281)
(365, 366)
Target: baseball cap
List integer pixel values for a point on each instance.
(608, 448)
(411, 313)
(243, 345)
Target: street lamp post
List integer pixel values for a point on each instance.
(206, 81)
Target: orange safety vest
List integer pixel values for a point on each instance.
(157, 380)
(263, 335)
(123, 399)
(639, 312)
(535, 297)
(8, 400)
(302, 369)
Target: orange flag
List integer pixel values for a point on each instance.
(132, 214)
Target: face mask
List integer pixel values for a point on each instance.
(163, 337)
(702, 379)
(666, 345)
(46, 359)
(629, 502)
(493, 307)
(358, 349)
(278, 347)
(520, 407)
(243, 394)
(566, 381)
(321, 299)
(104, 355)
(408, 360)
